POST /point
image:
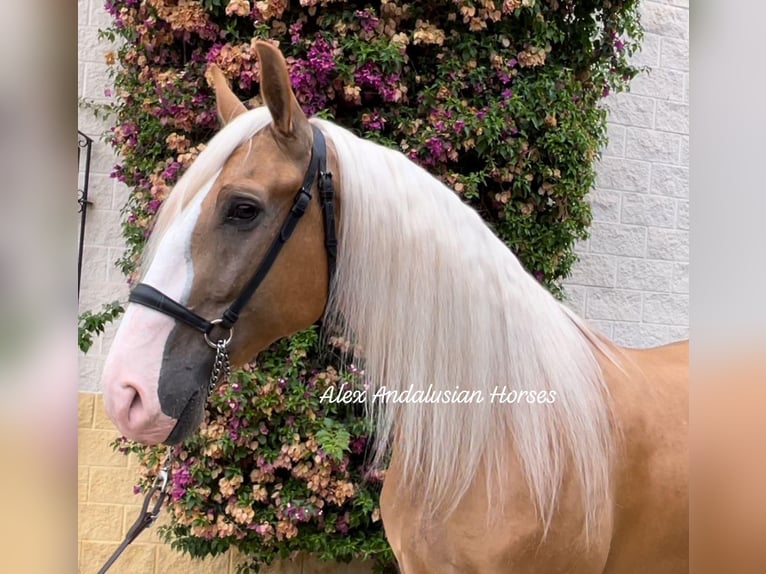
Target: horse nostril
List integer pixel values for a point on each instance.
(136, 415)
(135, 404)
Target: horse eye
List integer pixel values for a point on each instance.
(242, 212)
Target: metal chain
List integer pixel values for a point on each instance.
(221, 365)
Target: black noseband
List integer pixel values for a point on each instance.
(317, 170)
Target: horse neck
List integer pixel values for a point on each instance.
(437, 301)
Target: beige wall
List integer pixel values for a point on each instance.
(107, 508)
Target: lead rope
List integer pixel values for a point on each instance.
(147, 516)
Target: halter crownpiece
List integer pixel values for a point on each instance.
(153, 298)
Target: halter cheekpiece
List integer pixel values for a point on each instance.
(153, 298)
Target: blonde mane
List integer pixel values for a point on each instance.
(435, 298)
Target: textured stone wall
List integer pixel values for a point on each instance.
(632, 279)
(101, 281)
(107, 508)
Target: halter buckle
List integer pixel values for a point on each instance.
(224, 341)
(300, 205)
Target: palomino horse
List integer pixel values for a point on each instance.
(570, 455)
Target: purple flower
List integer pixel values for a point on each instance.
(214, 52)
(341, 525)
(369, 76)
(180, 479)
(118, 173)
(171, 171)
(459, 125)
(321, 59)
(507, 93)
(368, 21)
(435, 145)
(264, 466)
(295, 32)
(233, 426)
(388, 90)
(373, 121)
(310, 77)
(246, 78)
(358, 445)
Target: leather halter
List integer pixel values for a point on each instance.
(317, 170)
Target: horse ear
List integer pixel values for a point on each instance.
(229, 106)
(277, 93)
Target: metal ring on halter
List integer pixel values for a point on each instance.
(225, 342)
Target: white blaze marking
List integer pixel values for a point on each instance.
(136, 354)
(172, 269)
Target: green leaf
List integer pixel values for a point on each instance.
(91, 324)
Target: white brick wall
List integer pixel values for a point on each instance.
(633, 277)
(103, 245)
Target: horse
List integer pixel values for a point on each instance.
(571, 454)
